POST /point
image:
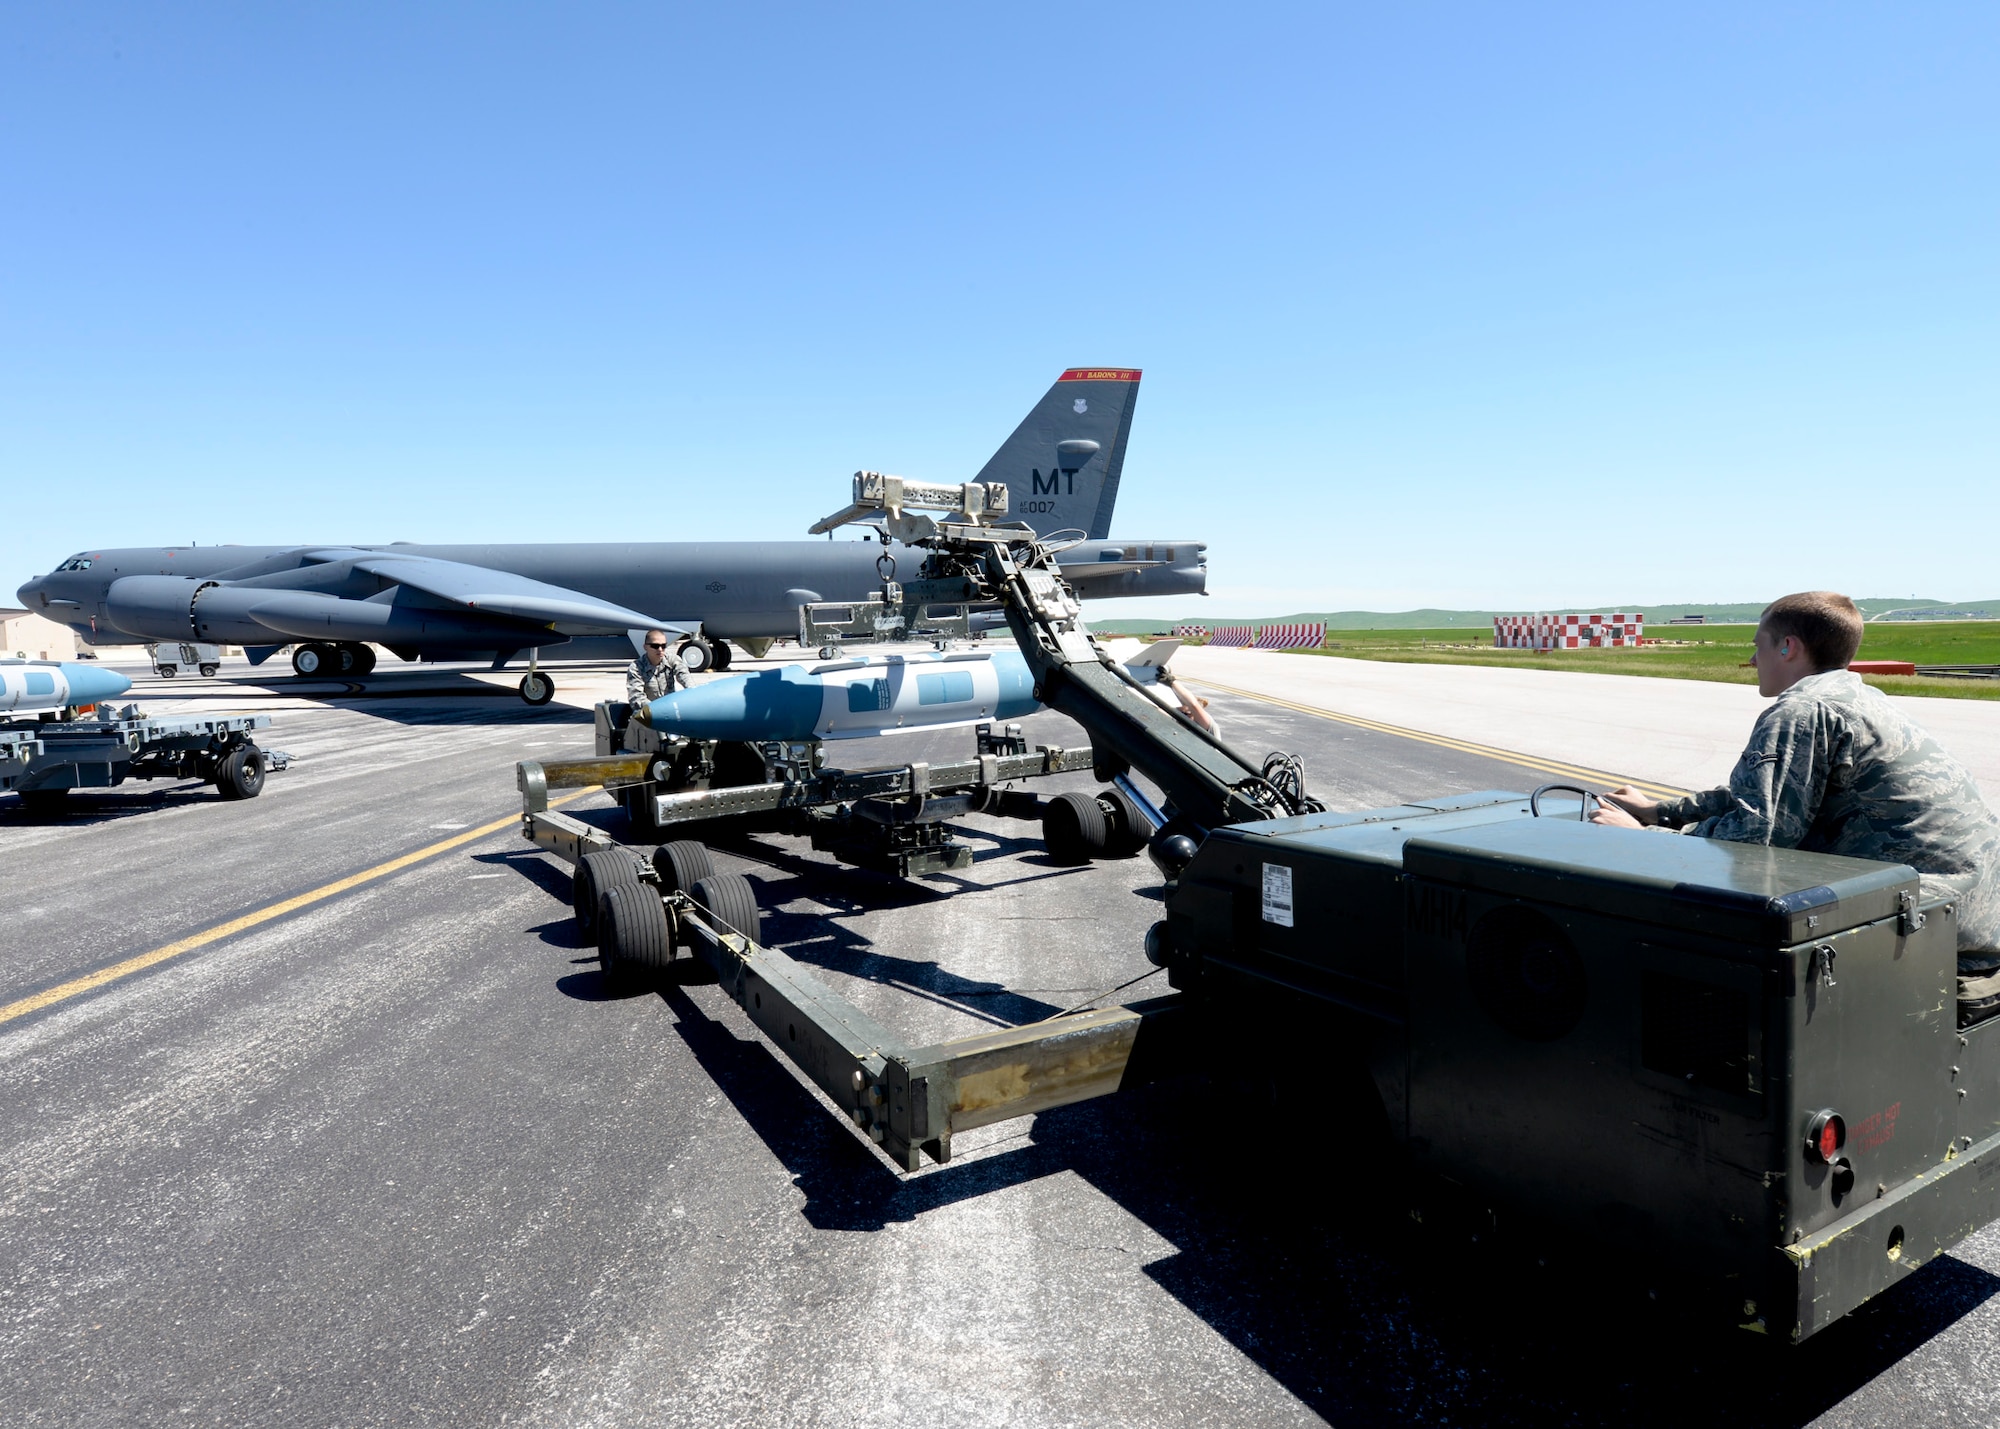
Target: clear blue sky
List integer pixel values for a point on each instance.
(1472, 305)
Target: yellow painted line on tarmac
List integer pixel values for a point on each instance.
(1505, 756)
(75, 987)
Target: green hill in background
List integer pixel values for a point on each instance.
(1745, 613)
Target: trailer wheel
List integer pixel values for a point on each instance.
(1074, 828)
(681, 865)
(241, 773)
(1129, 829)
(829, 652)
(634, 936)
(598, 871)
(209, 670)
(733, 903)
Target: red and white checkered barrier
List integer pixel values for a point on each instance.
(1190, 632)
(1309, 635)
(1566, 632)
(1238, 635)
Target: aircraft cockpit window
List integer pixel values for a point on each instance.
(75, 563)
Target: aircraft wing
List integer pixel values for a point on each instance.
(501, 593)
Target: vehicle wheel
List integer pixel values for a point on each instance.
(208, 671)
(311, 659)
(364, 659)
(241, 773)
(340, 659)
(1074, 828)
(166, 672)
(597, 872)
(732, 902)
(697, 654)
(829, 652)
(45, 801)
(723, 655)
(537, 688)
(682, 864)
(1129, 829)
(634, 937)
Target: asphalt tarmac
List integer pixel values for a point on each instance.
(390, 1155)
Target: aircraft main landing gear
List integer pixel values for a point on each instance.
(698, 655)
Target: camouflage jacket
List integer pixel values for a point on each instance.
(1834, 767)
(645, 683)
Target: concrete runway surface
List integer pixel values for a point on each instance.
(393, 1157)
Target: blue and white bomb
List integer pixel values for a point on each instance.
(850, 699)
(54, 685)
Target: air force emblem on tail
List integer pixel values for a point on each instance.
(1081, 406)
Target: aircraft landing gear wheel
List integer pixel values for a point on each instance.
(208, 671)
(362, 661)
(829, 652)
(723, 655)
(241, 773)
(341, 657)
(537, 688)
(1074, 828)
(313, 659)
(697, 654)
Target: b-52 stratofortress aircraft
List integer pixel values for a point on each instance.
(1061, 466)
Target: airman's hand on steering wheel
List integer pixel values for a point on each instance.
(1626, 808)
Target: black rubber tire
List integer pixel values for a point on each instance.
(241, 773)
(165, 672)
(603, 869)
(682, 864)
(730, 899)
(1129, 829)
(697, 655)
(723, 655)
(537, 688)
(343, 659)
(1074, 828)
(364, 659)
(829, 652)
(312, 660)
(635, 940)
(208, 671)
(45, 801)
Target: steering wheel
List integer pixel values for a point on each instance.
(1584, 800)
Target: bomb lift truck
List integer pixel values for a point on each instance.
(1732, 1067)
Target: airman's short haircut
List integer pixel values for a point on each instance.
(1827, 623)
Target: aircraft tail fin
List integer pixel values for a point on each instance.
(1063, 462)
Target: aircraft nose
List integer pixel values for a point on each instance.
(29, 593)
(90, 683)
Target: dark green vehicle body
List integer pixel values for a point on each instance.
(1627, 1036)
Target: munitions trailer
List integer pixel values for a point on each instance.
(893, 819)
(104, 752)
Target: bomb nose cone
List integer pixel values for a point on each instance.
(90, 683)
(771, 704)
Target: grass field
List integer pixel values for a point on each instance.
(1715, 652)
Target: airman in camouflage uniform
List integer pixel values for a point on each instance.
(655, 673)
(1833, 766)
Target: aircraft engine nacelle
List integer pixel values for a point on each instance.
(158, 607)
